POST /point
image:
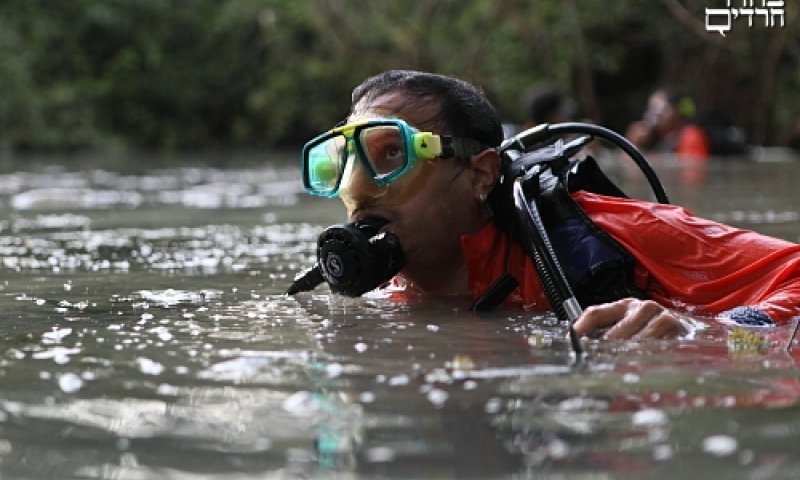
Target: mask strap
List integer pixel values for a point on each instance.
(460, 147)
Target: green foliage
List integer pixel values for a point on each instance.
(197, 74)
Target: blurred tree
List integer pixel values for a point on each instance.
(196, 74)
(49, 100)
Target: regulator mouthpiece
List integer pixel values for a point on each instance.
(353, 258)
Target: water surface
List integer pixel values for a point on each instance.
(145, 335)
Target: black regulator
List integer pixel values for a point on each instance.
(353, 258)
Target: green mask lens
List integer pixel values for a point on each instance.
(325, 162)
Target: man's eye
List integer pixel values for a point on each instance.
(390, 159)
(394, 154)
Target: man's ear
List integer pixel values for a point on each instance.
(486, 171)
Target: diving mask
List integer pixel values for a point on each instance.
(387, 150)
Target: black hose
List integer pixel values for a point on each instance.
(309, 279)
(537, 244)
(531, 137)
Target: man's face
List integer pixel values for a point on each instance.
(431, 211)
(661, 114)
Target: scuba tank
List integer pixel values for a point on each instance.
(577, 262)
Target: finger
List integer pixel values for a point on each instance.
(601, 316)
(636, 318)
(664, 325)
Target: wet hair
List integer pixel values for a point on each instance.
(463, 110)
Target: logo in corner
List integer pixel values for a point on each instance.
(721, 19)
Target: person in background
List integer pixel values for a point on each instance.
(667, 127)
(418, 150)
(546, 103)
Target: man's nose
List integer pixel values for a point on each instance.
(358, 185)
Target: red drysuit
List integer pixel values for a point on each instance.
(682, 261)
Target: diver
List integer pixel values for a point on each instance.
(418, 167)
(668, 126)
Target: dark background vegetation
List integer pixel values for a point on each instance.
(178, 75)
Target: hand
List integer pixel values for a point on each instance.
(630, 318)
(639, 134)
